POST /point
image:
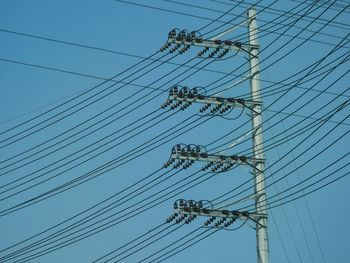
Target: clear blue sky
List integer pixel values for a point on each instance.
(52, 51)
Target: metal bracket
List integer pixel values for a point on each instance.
(215, 100)
(207, 43)
(211, 158)
(220, 213)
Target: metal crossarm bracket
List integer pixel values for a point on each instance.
(214, 100)
(217, 158)
(220, 213)
(235, 46)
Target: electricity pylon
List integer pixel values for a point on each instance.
(187, 154)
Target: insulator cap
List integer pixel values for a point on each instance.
(243, 158)
(245, 213)
(235, 212)
(225, 212)
(205, 210)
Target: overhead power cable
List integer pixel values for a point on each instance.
(130, 242)
(136, 211)
(75, 97)
(309, 178)
(209, 19)
(275, 11)
(138, 148)
(244, 15)
(72, 107)
(315, 65)
(302, 153)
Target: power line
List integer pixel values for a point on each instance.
(209, 19)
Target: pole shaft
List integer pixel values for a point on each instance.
(257, 139)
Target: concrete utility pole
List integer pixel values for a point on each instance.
(257, 137)
(186, 155)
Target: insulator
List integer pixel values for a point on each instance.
(231, 100)
(204, 155)
(230, 221)
(173, 49)
(180, 219)
(175, 206)
(214, 52)
(222, 157)
(234, 157)
(165, 46)
(185, 89)
(235, 213)
(177, 165)
(172, 33)
(203, 51)
(183, 107)
(225, 168)
(223, 53)
(228, 42)
(199, 40)
(209, 221)
(243, 158)
(181, 35)
(184, 49)
(200, 204)
(194, 90)
(171, 218)
(218, 41)
(225, 109)
(178, 147)
(205, 107)
(237, 44)
(245, 213)
(205, 210)
(225, 212)
(175, 89)
(190, 219)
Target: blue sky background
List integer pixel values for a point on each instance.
(52, 51)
